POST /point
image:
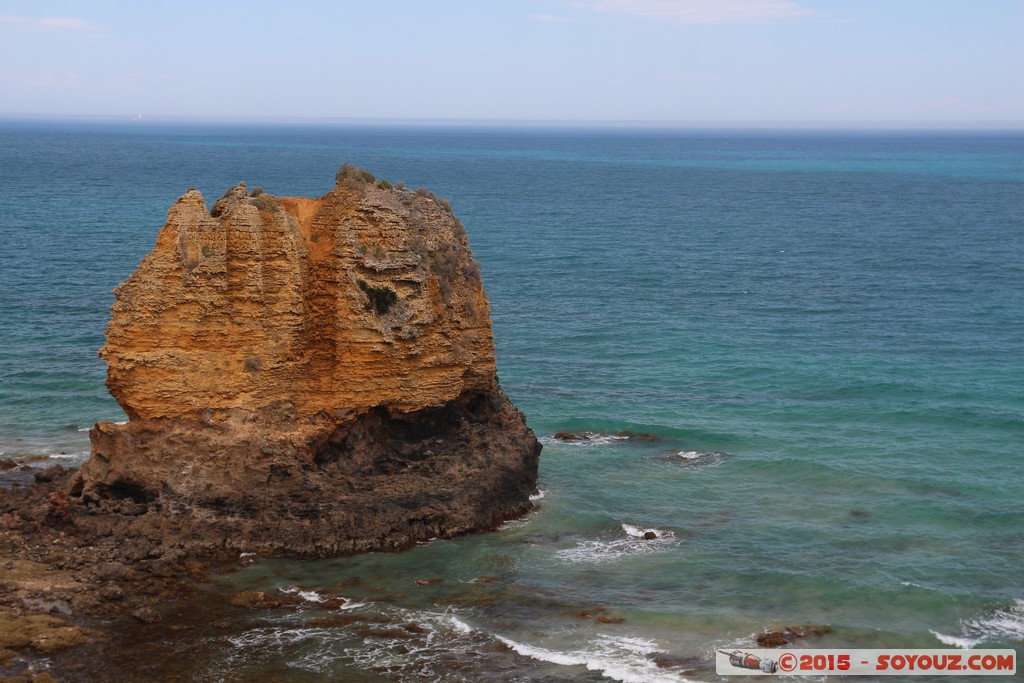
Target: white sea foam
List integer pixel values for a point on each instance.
(1001, 624)
(442, 640)
(954, 641)
(998, 626)
(691, 455)
(85, 429)
(79, 455)
(637, 532)
(308, 596)
(588, 439)
(275, 636)
(516, 523)
(428, 653)
(621, 659)
(702, 458)
(604, 438)
(459, 625)
(43, 460)
(317, 598)
(607, 550)
(520, 522)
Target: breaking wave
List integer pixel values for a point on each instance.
(696, 458)
(584, 439)
(629, 660)
(409, 645)
(86, 429)
(315, 598)
(397, 643)
(998, 626)
(635, 541)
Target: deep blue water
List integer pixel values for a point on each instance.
(824, 329)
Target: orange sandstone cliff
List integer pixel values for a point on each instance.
(308, 377)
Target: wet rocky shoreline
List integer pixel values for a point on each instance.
(74, 578)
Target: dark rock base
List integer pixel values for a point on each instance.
(274, 484)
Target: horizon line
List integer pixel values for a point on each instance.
(650, 124)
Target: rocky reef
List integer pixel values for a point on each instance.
(307, 377)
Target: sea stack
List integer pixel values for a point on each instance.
(308, 377)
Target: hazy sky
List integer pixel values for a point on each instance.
(930, 61)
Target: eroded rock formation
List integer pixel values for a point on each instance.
(309, 377)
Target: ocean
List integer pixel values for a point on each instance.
(798, 357)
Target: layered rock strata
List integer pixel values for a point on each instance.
(309, 377)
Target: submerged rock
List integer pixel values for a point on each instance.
(787, 635)
(42, 633)
(638, 436)
(262, 600)
(308, 377)
(771, 639)
(570, 436)
(428, 582)
(665, 660)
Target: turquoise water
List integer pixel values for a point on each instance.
(824, 330)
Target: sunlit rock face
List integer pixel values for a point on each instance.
(309, 377)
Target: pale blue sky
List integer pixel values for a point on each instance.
(934, 62)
